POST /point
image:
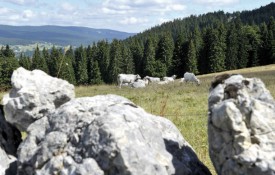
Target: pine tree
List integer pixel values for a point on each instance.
(137, 54)
(53, 61)
(115, 61)
(217, 50)
(81, 64)
(24, 61)
(127, 60)
(231, 61)
(8, 64)
(177, 66)
(38, 61)
(149, 58)
(103, 59)
(191, 65)
(271, 41)
(164, 53)
(96, 75)
(263, 49)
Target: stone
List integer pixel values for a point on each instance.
(33, 95)
(241, 126)
(105, 134)
(10, 138)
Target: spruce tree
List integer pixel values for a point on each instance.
(81, 64)
(149, 58)
(115, 61)
(164, 53)
(24, 61)
(177, 66)
(191, 65)
(38, 61)
(127, 60)
(96, 75)
(8, 64)
(103, 59)
(231, 61)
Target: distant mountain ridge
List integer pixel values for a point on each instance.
(60, 35)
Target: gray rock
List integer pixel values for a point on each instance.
(241, 126)
(33, 95)
(105, 135)
(10, 138)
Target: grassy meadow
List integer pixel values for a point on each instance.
(184, 104)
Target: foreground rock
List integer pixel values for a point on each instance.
(105, 135)
(241, 126)
(10, 138)
(33, 95)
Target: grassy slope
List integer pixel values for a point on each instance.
(184, 104)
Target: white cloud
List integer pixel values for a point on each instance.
(217, 2)
(133, 20)
(21, 2)
(4, 10)
(67, 7)
(28, 14)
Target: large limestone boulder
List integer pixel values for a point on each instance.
(105, 134)
(33, 95)
(10, 138)
(241, 126)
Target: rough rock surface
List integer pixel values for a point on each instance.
(241, 126)
(10, 138)
(33, 95)
(105, 135)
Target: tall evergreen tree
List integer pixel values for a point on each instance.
(96, 75)
(263, 49)
(127, 60)
(217, 50)
(271, 41)
(24, 61)
(191, 65)
(103, 59)
(115, 61)
(38, 61)
(137, 54)
(53, 61)
(177, 67)
(231, 61)
(149, 58)
(8, 64)
(164, 53)
(81, 66)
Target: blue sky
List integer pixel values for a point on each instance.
(122, 15)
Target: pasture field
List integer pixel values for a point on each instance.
(184, 104)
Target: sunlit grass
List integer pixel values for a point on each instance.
(184, 104)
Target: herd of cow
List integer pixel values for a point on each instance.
(135, 81)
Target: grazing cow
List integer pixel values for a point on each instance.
(153, 79)
(139, 83)
(169, 79)
(190, 77)
(126, 78)
(162, 82)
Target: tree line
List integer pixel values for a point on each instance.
(210, 43)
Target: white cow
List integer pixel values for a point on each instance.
(162, 82)
(190, 77)
(169, 79)
(153, 79)
(126, 78)
(139, 83)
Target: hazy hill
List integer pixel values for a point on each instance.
(59, 35)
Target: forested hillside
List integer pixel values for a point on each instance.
(202, 44)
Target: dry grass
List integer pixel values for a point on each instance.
(184, 104)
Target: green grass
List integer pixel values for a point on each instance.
(184, 104)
